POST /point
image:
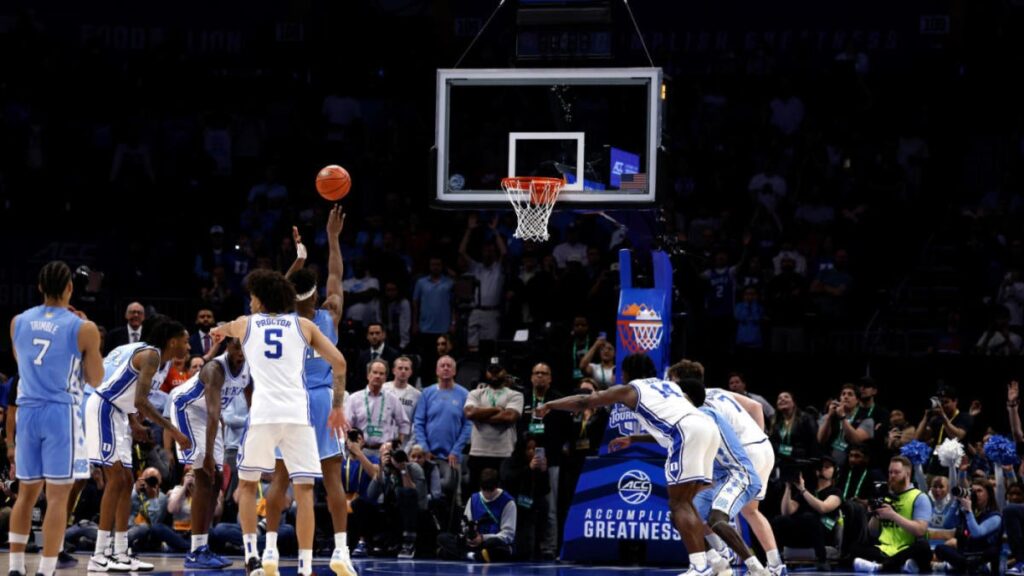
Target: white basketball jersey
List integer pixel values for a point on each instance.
(275, 351)
(742, 422)
(192, 393)
(120, 377)
(659, 407)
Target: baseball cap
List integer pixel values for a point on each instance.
(494, 365)
(216, 229)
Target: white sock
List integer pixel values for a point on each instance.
(774, 559)
(341, 541)
(47, 565)
(199, 540)
(102, 542)
(249, 542)
(17, 562)
(699, 561)
(271, 542)
(305, 562)
(120, 543)
(716, 542)
(713, 556)
(753, 564)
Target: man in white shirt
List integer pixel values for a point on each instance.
(572, 250)
(406, 393)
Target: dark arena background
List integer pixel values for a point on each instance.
(836, 194)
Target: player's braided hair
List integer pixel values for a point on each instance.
(54, 278)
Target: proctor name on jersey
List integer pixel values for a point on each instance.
(264, 322)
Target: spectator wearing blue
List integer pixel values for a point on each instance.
(441, 425)
(5, 388)
(432, 313)
(979, 533)
(944, 506)
(749, 316)
(489, 529)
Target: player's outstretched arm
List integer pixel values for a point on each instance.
(335, 266)
(300, 253)
(614, 395)
(234, 329)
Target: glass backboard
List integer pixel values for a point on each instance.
(596, 128)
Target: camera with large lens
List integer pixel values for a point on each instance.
(354, 434)
(881, 497)
(469, 529)
(959, 492)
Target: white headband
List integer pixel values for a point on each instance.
(306, 295)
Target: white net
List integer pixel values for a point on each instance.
(646, 334)
(533, 200)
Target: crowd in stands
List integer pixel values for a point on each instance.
(795, 198)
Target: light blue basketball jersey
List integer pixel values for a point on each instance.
(49, 360)
(318, 370)
(732, 459)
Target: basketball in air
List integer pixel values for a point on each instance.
(333, 182)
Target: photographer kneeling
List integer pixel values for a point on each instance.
(808, 517)
(489, 526)
(979, 531)
(401, 489)
(903, 516)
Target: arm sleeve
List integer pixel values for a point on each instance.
(516, 403)
(922, 508)
(404, 426)
(990, 525)
(868, 425)
(508, 523)
(420, 422)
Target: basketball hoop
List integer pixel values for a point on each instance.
(533, 199)
(641, 336)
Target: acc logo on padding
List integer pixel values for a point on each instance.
(634, 487)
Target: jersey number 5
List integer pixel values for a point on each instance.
(272, 338)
